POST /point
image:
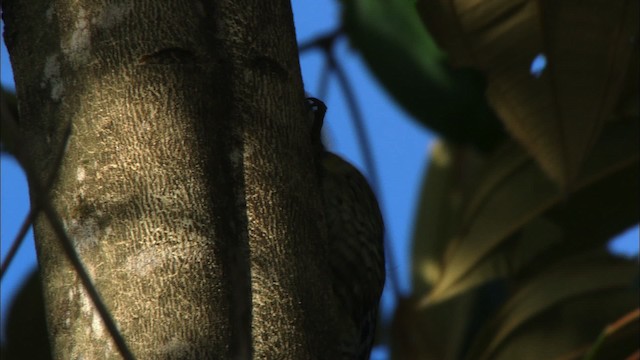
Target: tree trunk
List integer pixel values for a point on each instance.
(187, 185)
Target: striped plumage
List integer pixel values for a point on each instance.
(355, 231)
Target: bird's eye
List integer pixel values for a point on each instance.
(316, 106)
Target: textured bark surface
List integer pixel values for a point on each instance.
(187, 185)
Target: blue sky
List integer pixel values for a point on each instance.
(400, 149)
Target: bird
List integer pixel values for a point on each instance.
(355, 231)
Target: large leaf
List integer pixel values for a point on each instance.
(556, 116)
(450, 171)
(570, 325)
(406, 60)
(438, 332)
(565, 304)
(512, 192)
(512, 256)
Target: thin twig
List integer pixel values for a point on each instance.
(358, 122)
(325, 76)
(33, 212)
(15, 245)
(43, 201)
(73, 257)
(366, 148)
(323, 42)
(326, 43)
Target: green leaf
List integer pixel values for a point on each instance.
(439, 208)
(512, 192)
(438, 332)
(512, 256)
(559, 309)
(590, 56)
(405, 59)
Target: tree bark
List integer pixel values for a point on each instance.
(187, 186)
